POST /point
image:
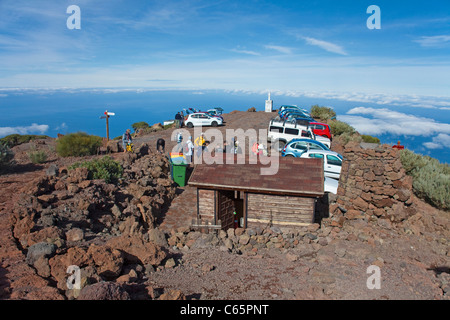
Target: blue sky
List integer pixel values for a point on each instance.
(319, 49)
(253, 45)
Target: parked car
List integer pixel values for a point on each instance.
(216, 111)
(330, 185)
(213, 115)
(321, 129)
(281, 132)
(285, 107)
(201, 119)
(296, 112)
(332, 161)
(297, 116)
(297, 147)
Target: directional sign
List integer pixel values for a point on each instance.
(106, 116)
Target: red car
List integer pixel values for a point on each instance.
(321, 129)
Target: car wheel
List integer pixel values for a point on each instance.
(289, 156)
(214, 123)
(189, 125)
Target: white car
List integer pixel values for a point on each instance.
(332, 161)
(202, 119)
(280, 132)
(330, 185)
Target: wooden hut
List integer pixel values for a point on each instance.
(237, 195)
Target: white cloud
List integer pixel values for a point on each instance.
(33, 129)
(62, 127)
(253, 53)
(281, 49)
(328, 46)
(385, 121)
(441, 141)
(434, 41)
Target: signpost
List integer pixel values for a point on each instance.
(106, 116)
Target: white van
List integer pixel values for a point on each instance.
(280, 132)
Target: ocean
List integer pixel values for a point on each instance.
(424, 130)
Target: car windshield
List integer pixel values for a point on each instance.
(315, 145)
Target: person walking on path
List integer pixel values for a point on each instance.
(126, 139)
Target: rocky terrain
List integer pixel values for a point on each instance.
(52, 218)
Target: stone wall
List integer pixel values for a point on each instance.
(373, 183)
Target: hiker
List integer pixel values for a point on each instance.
(160, 144)
(235, 146)
(126, 139)
(179, 147)
(182, 119)
(255, 148)
(189, 150)
(262, 150)
(226, 147)
(178, 120)
(200, 143)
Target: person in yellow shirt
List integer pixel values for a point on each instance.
(200, 143)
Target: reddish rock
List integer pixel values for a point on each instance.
(51, 234)
(360, 204)
(172, 295)
(352, 214)
(136, 250)
(403, 195)
(84, 184)
(108, 261)
(104, 291)
(77, 175)
(384, 203)
(23, 227)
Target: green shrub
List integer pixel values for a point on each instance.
(140, 125)
(15, 139)
(6, 155)
(323, 113)
(431, 179)
(105, 168)
(369, 139)
(338, 127)
(78, 144)
(37, 156)
(346, 137)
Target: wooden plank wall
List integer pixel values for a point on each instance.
(288, 211)
(206, 205)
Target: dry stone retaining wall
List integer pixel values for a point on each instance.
(373, 182)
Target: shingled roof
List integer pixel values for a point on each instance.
(295, 176)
